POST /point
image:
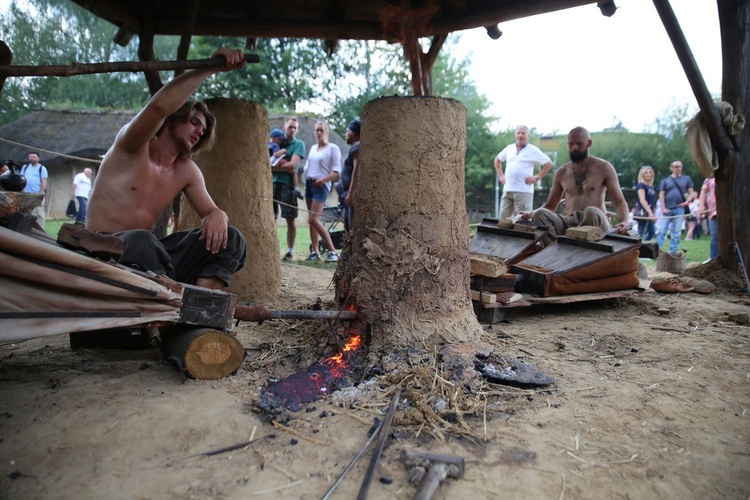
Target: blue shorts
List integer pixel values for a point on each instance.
(316, 193)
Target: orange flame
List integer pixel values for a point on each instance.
(339, 362)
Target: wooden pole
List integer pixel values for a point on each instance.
(705, 102)
(115, 67)
(6, 56)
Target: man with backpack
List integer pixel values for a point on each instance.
(36, 182)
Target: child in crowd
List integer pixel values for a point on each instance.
(276, 154)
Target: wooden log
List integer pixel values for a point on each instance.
(102, 246)
(487, 265)
(203, 353)
(585, 233)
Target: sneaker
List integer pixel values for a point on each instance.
(313, 257)
(298, 193)
(332, 257)
(288, 256)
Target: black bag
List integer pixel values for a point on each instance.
(71, 211)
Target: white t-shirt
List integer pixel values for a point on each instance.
(322, 162)
(520, 165)
(82, 184)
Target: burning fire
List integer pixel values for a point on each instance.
(303, 387)
(338, 363)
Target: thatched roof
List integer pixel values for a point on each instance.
(89, 134)
(86, 134)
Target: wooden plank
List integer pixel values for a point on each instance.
(530, 300)
(103, 246)
(600, 246)
(507, 244)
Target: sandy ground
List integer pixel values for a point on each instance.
(647, 404)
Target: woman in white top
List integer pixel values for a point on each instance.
(323, 167)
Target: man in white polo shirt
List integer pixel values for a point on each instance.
(81, 191)
(518, 179)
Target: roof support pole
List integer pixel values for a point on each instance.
(6, 57)
(421, 63)
(705, 102)
(187, 34)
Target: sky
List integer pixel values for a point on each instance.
(576, 67)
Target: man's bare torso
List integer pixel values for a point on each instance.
(134, 198)
(589, 189)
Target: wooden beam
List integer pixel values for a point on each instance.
(702, 95)
(115, 67)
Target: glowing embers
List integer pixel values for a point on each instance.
(318, 380)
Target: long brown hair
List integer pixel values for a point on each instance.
(185, 113)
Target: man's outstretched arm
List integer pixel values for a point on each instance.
(169, 98)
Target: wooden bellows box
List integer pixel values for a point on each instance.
(572, 266)
(510, 245)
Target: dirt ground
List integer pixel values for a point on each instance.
(647, 404)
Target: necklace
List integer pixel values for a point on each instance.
(580, 177)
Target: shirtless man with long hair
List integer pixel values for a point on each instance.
(147, 166)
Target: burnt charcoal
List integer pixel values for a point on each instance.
(386, 479)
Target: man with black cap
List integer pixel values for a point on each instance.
(346, 186)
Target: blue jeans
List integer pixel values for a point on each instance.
(673, 225)
(82, 204)
(647, 229)
(713, 227)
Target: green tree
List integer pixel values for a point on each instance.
(451, 78)
(61, 32)
(672, 125)
(291, 71)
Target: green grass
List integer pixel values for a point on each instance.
(52, 227)
(301, 247)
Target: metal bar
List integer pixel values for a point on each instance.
(693, 73)
(308, 314)
(741, 265)
(353, 462)
(384, 429)
(115, 67)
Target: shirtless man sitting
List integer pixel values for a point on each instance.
(147, 166)
(584, 181)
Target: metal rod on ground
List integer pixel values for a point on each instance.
(741, 265)
(351, 464)
(382, 438)
(261, 313)
(116, 67)
(306, 314)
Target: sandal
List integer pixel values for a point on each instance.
(671, 285)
